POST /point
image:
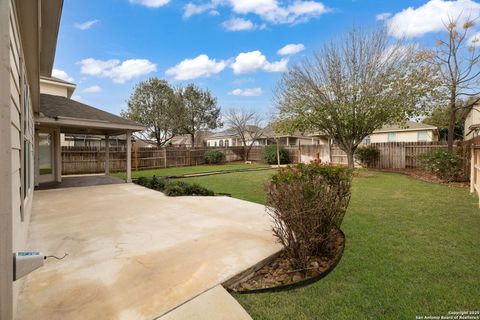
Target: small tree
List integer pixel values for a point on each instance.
(246, 125)
(457, 58)
(199, 111)
(352, 87)
(154, 105)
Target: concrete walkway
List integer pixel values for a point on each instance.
(135, 253)
(215, 304)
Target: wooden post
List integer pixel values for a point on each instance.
(472, 168)
(107, 154)
(129, 156)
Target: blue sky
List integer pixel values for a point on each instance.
(230, 47)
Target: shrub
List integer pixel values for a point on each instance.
(367, 155)
(447, 166)
(157, 183)
(214, 157)
(306, 202)
(269, 155)
(180, 188)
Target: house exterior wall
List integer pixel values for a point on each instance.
(473, 118)
(17, 157)
(402, 136)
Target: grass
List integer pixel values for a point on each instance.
(412, 249)
(189, 170)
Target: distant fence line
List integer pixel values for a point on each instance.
(78, 160)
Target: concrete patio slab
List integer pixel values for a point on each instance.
(214, 304)
(135, 253)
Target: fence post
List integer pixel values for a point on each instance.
(472, 168)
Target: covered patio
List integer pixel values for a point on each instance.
(59, 114)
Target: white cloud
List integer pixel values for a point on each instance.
(383, 16)
(201, 66)
(253, 61)
(430, 17)
(240, 24)
(249, 92)
(291, 49)
(85, 25)
(60, 74)
(268, 10)
(92, 89)
(76, 97)
(118, 72)
(151, 3)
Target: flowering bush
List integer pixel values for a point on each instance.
(447, 166)
(306, 202)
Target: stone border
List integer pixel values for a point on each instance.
(250, 272)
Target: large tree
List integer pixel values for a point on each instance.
(353, 86)
(155, 105)
(457, 58)
(247, 126)
(199, 111)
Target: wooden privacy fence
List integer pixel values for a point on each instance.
(79, 160)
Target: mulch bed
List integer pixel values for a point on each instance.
(280, 273)
(426, 177)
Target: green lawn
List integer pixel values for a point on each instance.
(190, 169)
(412, 248)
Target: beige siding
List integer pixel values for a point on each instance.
(473, 118)
(21, 127)
(401, 136)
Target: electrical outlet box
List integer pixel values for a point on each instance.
(26, 262)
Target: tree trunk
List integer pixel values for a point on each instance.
(451, 124)
(451, 128)
(350, 160)
(192, 135)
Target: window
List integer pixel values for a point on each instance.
(208, 143)
(367, 140)
(26, 140)
(221, 143)
(422, 136)
(215, 143)
(226, 143)
(392, 137)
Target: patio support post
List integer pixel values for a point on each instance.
(58, 155)
(107, 154)
(129, 156)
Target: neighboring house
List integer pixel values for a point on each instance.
(185, 140)
(230, 138)
(89, 140)
(34, 110)
(472, 124)
(410, 132)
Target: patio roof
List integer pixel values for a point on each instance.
(76, 117)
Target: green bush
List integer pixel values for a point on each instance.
(447, 166)
(174, 188)
(367, 155)
(180, 188)
(214, 157)
(269, 155)
(306, 203)
(157, 183)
